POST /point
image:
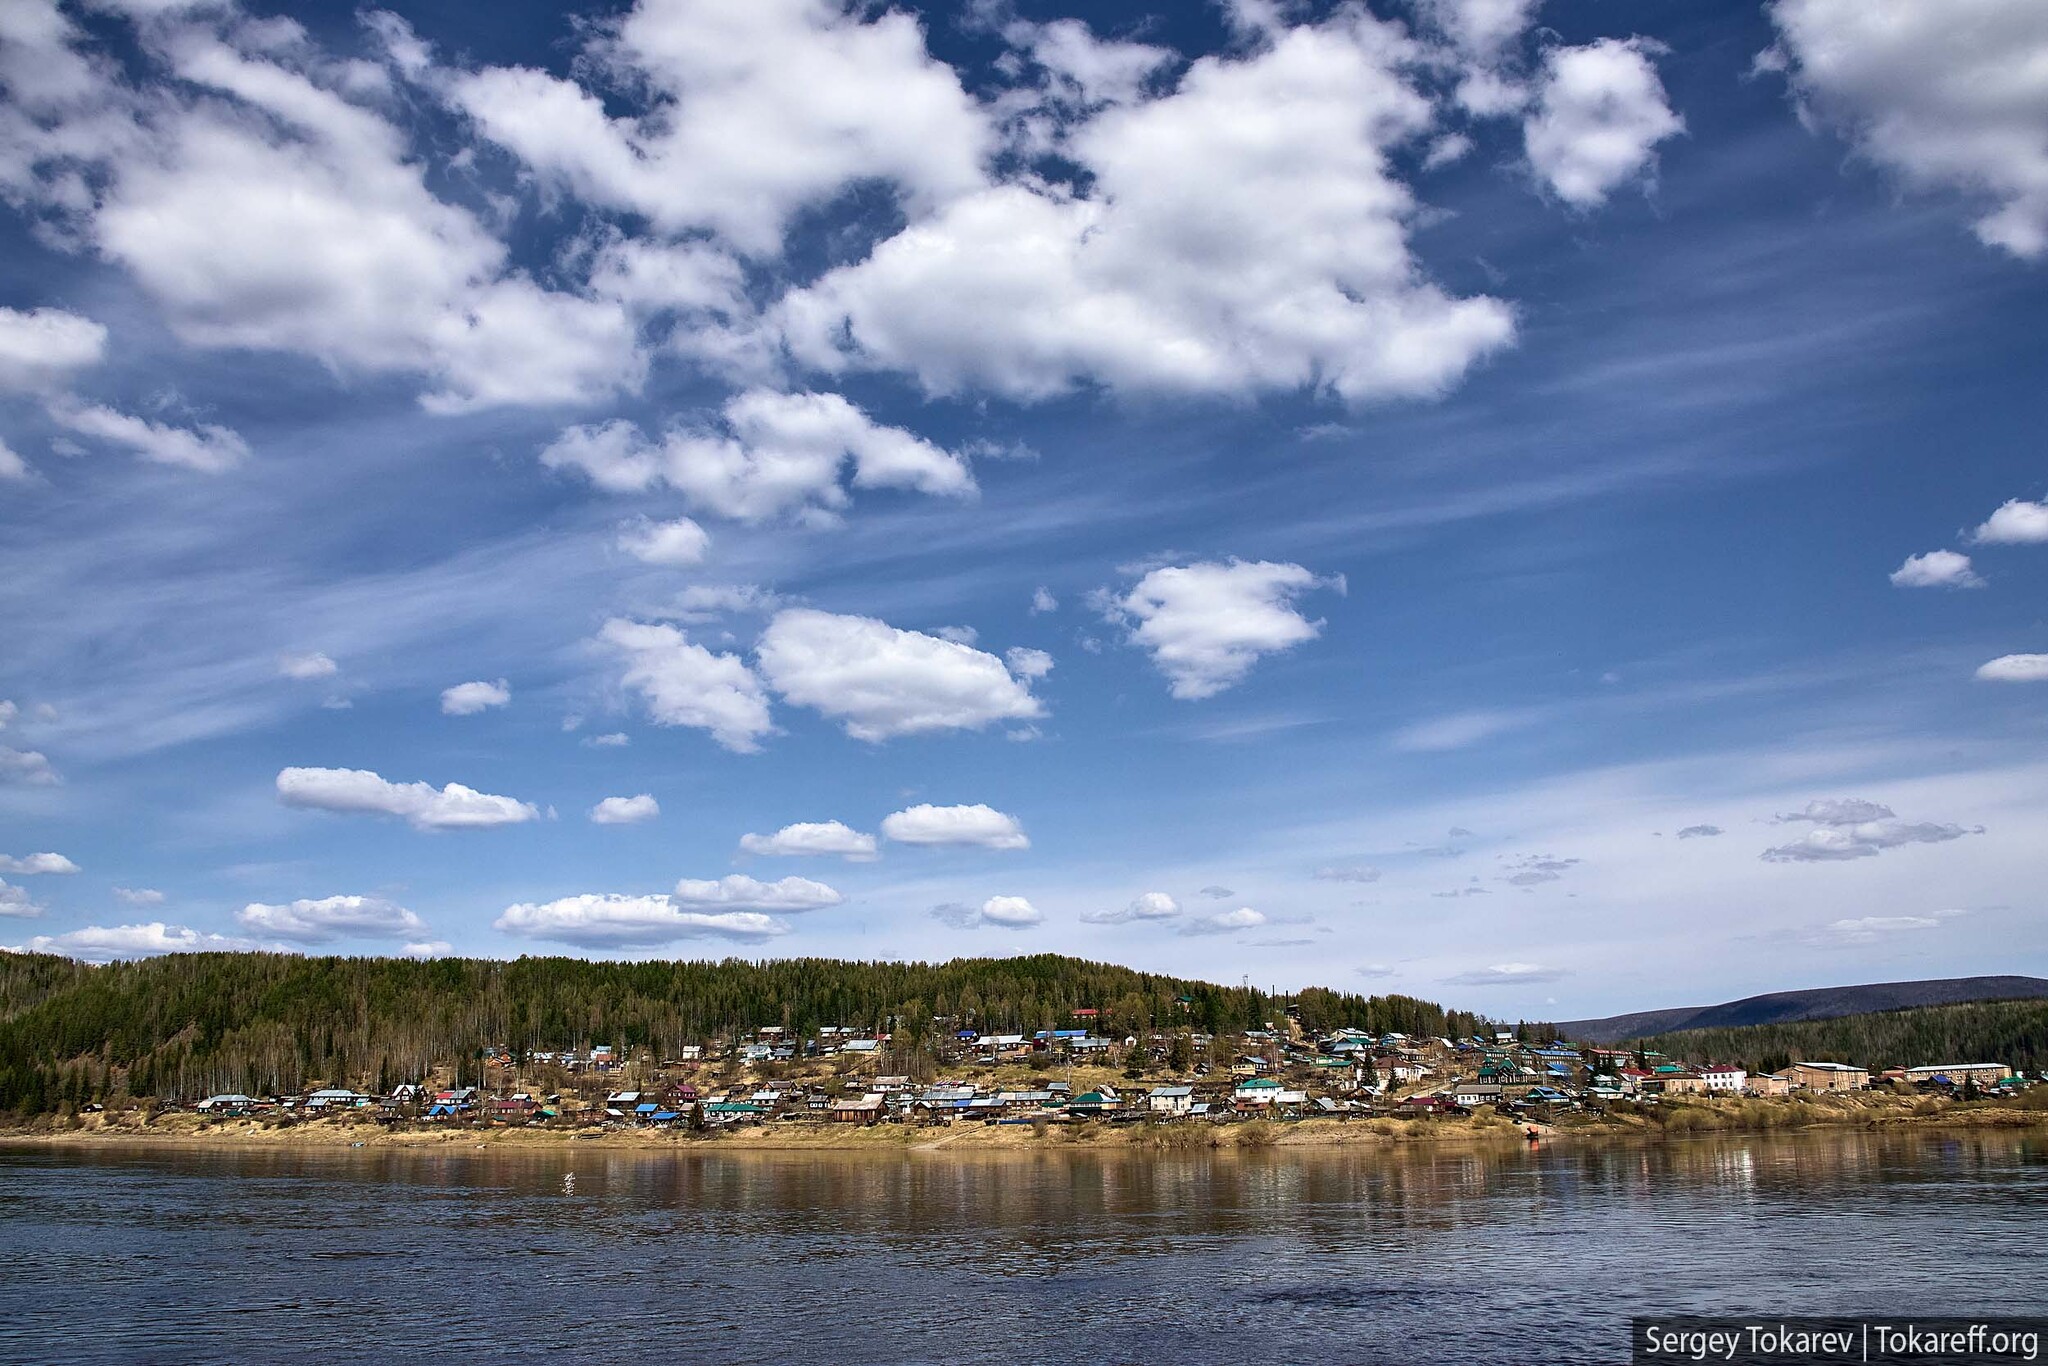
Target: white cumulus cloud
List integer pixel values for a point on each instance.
(36, 864)
(677, 544)
(879, 681)
(1600, 112)
(1206, 624)
(330, 918)
(423, 806)
(28, 767)
(1147, 906)
(733, 907)
(1026, 662)
(46, 346)
(978, 825)
(611, 920)
(2015, 669)
(467, 699)
(1937, 569)
(625, 810)
(769, 454)
(1225, 922)
(734, 114)
(108, 943)
(254, 188)
(687, 685)
(15, 901)
(738, 892)
(1242, 232)
(2017, 522)
(998, 912)
(1948, 96)
(813, 839)
(1010, 911)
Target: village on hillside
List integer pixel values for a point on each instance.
(839, 1075)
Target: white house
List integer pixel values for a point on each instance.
(1170, 1100)
(1260, 1092)
(1729, 1079)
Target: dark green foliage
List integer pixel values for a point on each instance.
(2011, 1032)
(191, 1024)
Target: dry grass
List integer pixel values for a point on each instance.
(1256, 1133)
(1179, 1137)
(1676, 1118)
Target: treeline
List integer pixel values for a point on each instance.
(192, 1024)
(2011, 1032)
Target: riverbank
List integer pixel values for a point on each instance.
(1670, 1119)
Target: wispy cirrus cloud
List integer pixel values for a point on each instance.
(1506, 975)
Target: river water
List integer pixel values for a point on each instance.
(1445, 1255)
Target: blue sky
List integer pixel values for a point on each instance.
(1537, 506)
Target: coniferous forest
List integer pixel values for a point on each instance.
(2011, 1032)
(190, 1024)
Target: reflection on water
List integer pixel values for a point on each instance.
(1451, 1255)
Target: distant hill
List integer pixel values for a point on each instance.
(1820, 1003)
(2012, 1032)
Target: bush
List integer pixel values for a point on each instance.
(1258, 1133)
(1176, 1137)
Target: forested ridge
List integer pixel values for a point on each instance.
(2011, 1032)
(189, 1024)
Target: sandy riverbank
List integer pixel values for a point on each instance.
(1673, 1119)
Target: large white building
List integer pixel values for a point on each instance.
(1729, 1079)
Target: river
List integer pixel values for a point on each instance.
(1444, 1254)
